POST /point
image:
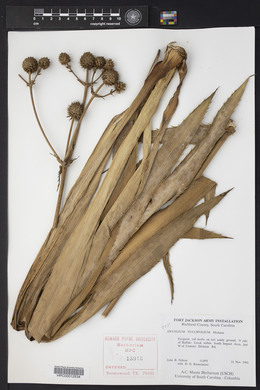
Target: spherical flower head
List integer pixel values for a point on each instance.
(44, 63)
(110, 77)
(120, 87)
(30, 65)
(64, 58)
(87, 60)
(109, 64)
(100, 62)
(75, 110)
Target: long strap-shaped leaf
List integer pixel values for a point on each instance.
(201, 133)
(178, 181)
(161, 168)
(79, 243)
(135, 185)
(193, 233)
(135, 260)
(76, 203)
(197, 190)
(168, 269)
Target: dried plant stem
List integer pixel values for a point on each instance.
(155, 80)
(82, 192)
(36, 75)
(64, 168)
(85, 89)
(30, 84)
(89, 222)
(26, 82)
(74, 74)
(110, 233)
(69, 151)
(69, 135)
(75, 206)
(73, 141)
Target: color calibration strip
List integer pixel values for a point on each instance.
(168, 18)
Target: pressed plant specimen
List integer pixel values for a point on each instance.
(99, 73)
(110, 233)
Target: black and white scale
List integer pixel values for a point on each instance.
(30, 17)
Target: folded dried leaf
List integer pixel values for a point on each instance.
(202, 234)
(173, 149)
(72, 274)
(194, 193)
(110, 234)
(142, 255)
(182, 176)
(168, 269)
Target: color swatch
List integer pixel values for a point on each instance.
(168, 18)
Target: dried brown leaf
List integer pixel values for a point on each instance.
(168, 269)
(192, 195)
(136, 259)
(182, 176)
(79, 243)
(160, 169)
(202, 234)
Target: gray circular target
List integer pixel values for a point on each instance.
(133, 17)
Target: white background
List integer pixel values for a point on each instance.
(211, 277)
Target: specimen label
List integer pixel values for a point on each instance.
(208, 350)
(130, 355)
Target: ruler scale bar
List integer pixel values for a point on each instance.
(80, 14)
(60, 18)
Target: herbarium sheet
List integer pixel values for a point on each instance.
(176, 314)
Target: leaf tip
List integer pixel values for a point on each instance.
(226, 192)
(210, 97)
(214, 92)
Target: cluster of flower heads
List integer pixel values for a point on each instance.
(88, 61)
(31, 65)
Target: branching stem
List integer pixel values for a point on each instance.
(30, 85)
(101, 74)
(64, 167)
(76, 132)
(36, 75)
(26, 82)
(72, 71)
(85, 89)
(69, 135)
(71, 142)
